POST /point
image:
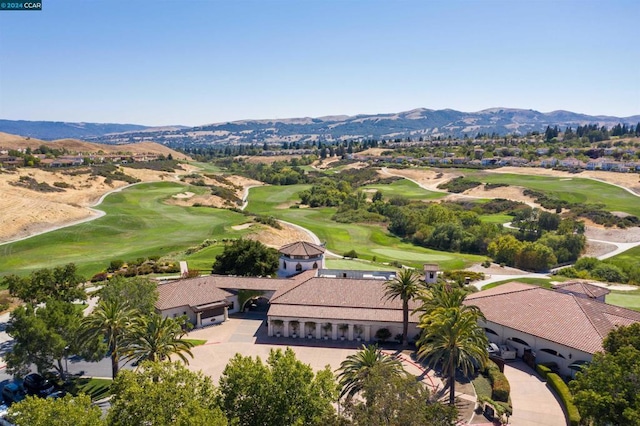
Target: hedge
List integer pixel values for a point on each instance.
(562, 390)
(499, 384)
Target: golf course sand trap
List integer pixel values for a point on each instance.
(184, 195)
(514, 193)
(616, 235)
(428, 179)
(243, 226)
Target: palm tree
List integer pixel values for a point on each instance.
(442, 296)
(111, 321)
(452, 337)
(406, 287)
(155, 339)
(355, 369)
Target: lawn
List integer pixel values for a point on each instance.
(574, 190)
(626, 299)
(404, 188)
(94, 388)
(542, 282)
(138, 223)
(628, 260)
(366, 240)
(496, 218)
(357, 265)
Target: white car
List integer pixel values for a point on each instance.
(507, 352)
(493, 349)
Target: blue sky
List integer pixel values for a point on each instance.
(195, 62)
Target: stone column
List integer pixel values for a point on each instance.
(318, 330)
(334, 331)
(367, 333)
(286, 329)
(350, 332)
(269, 328)
(303, 329)
(198, 319)
(226, 313)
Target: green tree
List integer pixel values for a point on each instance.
(246, 258)
(140, 293)
(621, 337)
(154, 338)
(356, 368)
(607, 392)
(282, 391)
(405, 286)
(67, 411)
(398, 400)
(451, 338)
(42, 336)
(111, 321)
(59, 283)
(504, 249)
(164, 394)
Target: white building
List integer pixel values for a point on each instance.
(300, 256)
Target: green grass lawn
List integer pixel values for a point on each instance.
(628, 260)
(95, 388)
(404, 188)
(366, 240)
(356, 265)
(626, 299)
(196, 342)
(137, 224)
(574, 190)
(542, 282)
(496, 218)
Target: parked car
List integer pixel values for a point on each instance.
(493, 349)
(4, 410)
(35, 384)
(507, 352)
(12, 392)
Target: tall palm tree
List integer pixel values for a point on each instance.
(405, 286)
(355, 369)
(155, 339)
(111, 320)
(452, 338)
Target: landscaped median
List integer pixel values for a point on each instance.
(562, 391)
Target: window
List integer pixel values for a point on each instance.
(552, 352)
(490, 331)
(284, 265)
(298, 267)
(516, 340)
(430, 275)
(315, 265)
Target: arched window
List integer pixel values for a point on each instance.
(552, 352)
(298, 267)
(490, 331)
(284, 265)
(516, 340)
(315, 265)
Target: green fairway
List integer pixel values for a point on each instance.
(357, 265)
(496, 218)
(404, 188)
(626, 299)
(137, 224)
(574, 190)
(541, 282)
(366, 240)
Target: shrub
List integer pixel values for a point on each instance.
(500, 388)
(351, 253)
(562, 390)
(383, 334)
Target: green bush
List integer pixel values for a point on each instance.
(351, 253)
(500, 388)
(562, 390)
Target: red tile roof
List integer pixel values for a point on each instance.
(338, 298)
(559, 317)
(579, 287)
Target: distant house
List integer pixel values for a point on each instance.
(554, 326)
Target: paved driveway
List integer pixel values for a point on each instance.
(534, 404)
(248, 336)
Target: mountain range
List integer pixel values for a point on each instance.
(415, 123)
